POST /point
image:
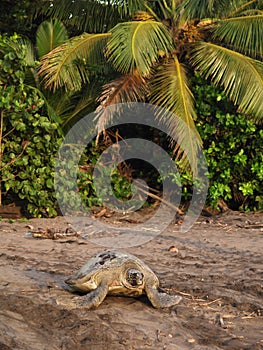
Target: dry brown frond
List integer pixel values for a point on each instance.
(128, 88)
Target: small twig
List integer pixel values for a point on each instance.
(10, 131)
(189, 295)
(185, 294)
(16, 158)
(197, 299)
(212, 302)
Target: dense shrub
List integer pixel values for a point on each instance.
(76, 183)
(233, 149)
(29, 140)
(232, 146)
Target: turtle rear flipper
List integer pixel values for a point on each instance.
(160, 299)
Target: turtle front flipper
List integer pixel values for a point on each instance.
(160, 299)
(88, 301)
(94, 298)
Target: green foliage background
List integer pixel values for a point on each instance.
(30, 141)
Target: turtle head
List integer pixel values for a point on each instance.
(134, 277)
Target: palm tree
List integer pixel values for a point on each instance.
(154, 46)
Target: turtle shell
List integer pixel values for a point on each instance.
(110, 259)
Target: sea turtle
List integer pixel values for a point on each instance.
(118, 273)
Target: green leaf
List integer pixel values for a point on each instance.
(50, 183)
(50, 34)
(240, 76)
(137, 45)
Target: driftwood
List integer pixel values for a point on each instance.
(10, 212)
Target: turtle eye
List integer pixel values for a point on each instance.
(134, 277)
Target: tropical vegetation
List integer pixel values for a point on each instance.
(233, 148)
(154, 47)
(28, 139)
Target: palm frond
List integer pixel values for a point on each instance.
(244, 7)
(69, 64)
(129, 7)
(50, 34)
(125, 89)
(83, 103)
(240, 76)
(170, 90)
(200, 9)
(136, 45)
(243, 33)
(86, 16)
